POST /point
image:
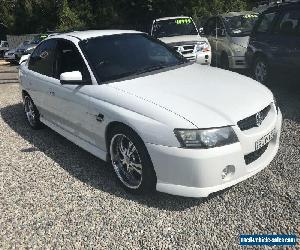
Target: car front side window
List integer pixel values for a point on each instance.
(69, 59)
(42, 59)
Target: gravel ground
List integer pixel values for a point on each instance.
(56, 195)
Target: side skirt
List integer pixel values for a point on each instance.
(79, 142)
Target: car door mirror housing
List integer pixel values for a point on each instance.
(24, 59)
(71, 78)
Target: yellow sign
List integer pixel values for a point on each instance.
(183, 21)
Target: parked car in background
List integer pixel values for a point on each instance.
(275, 41)
(162, 122)
(10, 56)
(3, 48)
(262, 6)
(181, 33)
(228, 35)
(29, 47)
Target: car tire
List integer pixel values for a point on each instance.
(260, 70)
(131, 161)
(31, 113)
(224, 64)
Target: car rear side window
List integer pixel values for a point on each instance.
(42, 58)
(289, 24)
(265, 23)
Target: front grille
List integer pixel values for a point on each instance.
(186, 50)
(252, 121)
(252, 157)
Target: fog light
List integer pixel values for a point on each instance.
(228, 172)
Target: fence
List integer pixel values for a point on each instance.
(14, 41)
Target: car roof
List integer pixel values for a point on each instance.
(241, 13)
(170, 18)
(282, 6)
(82, 35)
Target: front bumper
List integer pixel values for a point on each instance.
(203, 58)
(198, 173)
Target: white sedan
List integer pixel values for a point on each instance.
(164, 123)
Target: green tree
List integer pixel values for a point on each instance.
(68, 18)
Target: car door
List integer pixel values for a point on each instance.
(39, 76)
(71, 102)
(284, 41)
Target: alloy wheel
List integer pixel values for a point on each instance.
(30, 111)
(126, 161)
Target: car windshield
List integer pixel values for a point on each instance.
(241, 25)
(174, 27)
(118, 56)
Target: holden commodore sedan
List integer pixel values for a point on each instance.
(162, 122)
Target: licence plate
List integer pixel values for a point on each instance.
(265, 140)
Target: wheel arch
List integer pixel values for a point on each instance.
(117, 124)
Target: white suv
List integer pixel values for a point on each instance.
(181, 33)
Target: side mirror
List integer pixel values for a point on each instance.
(201, 31)
(71, 78)
(24, 59)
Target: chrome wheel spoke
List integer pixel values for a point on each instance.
(122, 149)
(137, 168)
(131, 149)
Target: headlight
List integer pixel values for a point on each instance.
(202, 47)
(206, 138)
